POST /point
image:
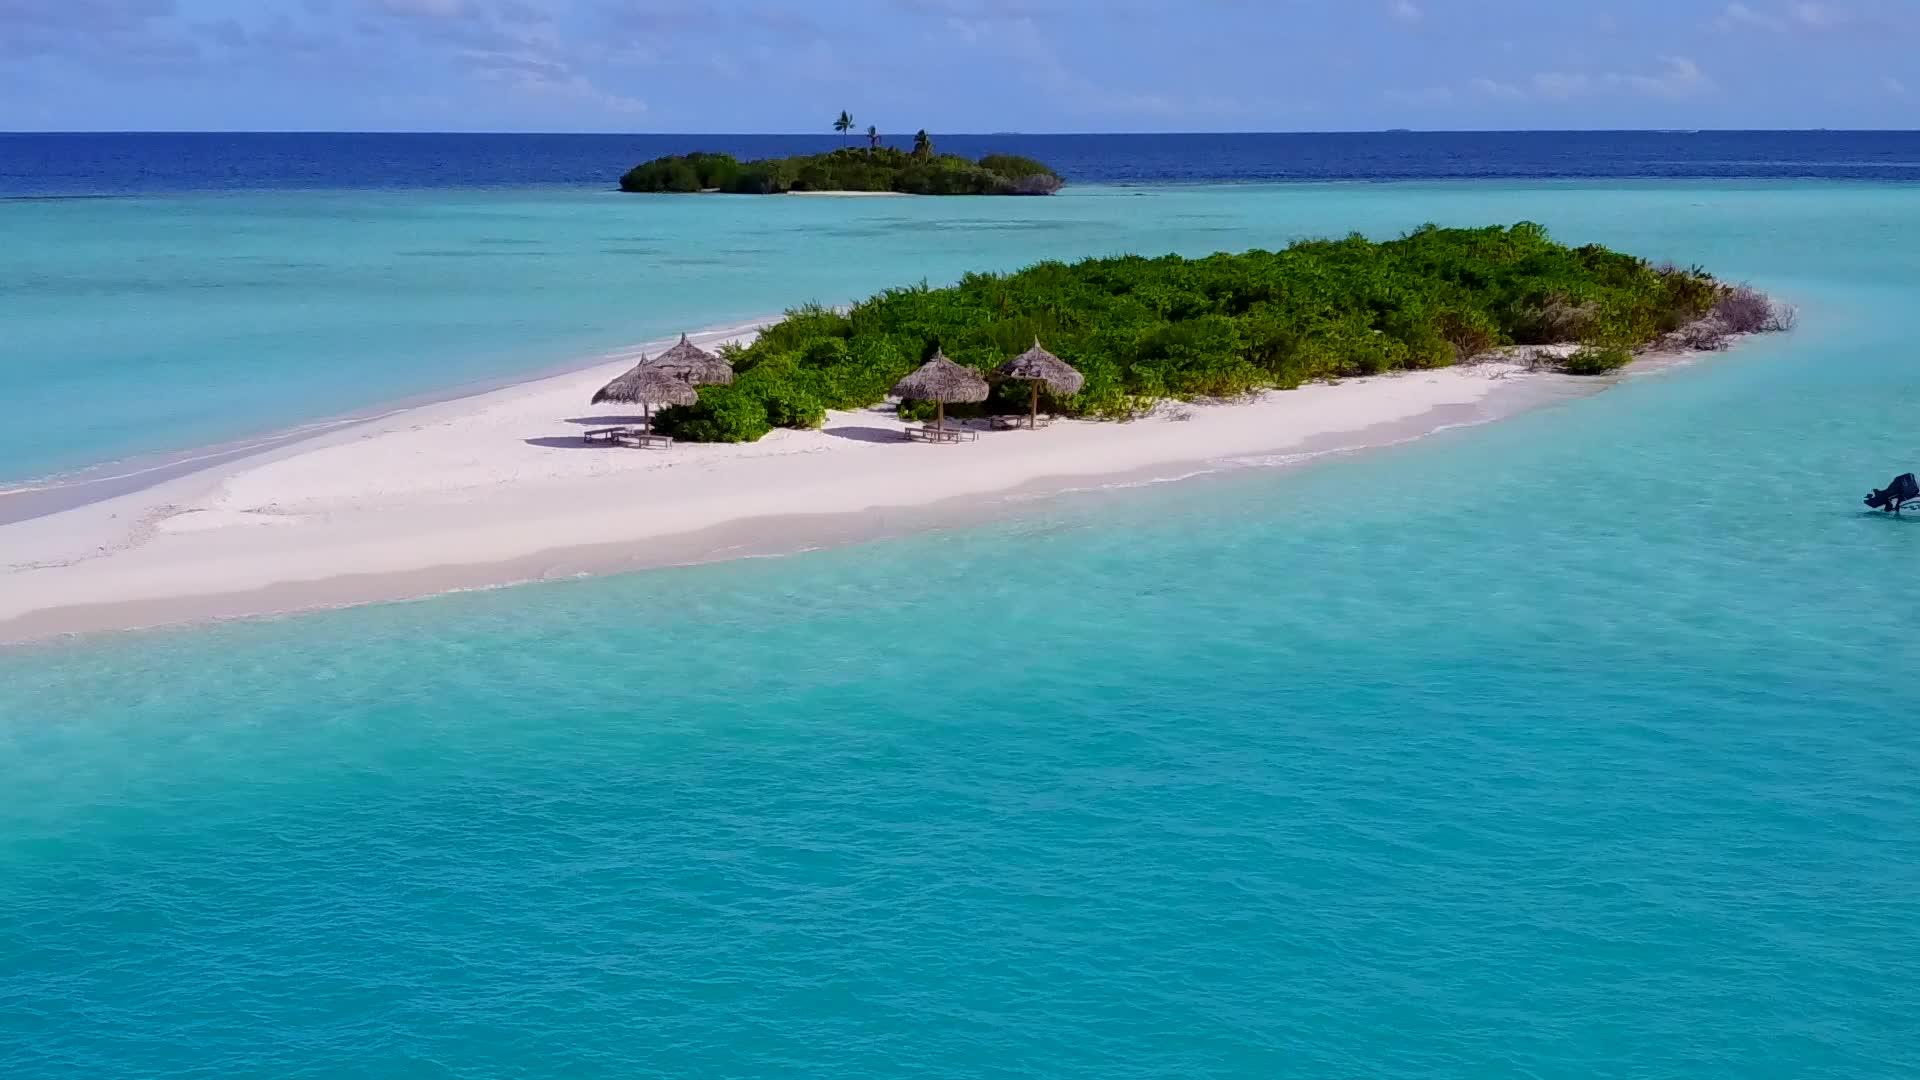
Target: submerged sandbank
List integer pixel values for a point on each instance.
(498, 488)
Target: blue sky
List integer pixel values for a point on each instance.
(955, 65)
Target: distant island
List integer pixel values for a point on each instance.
(1143, 330)
(871, 168)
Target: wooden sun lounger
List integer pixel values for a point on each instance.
(626, 436)
(1017, 423)
(941, 435)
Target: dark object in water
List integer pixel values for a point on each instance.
(1890, 497)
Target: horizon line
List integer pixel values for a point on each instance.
(978, 134)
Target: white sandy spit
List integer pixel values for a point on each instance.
(848, 194)
(499, 487)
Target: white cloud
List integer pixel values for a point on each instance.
(116, 34)
(537, 76)
(1740, 16)
(1022, 39)
(969, 31)
(1677, 78)
(428, 9)
(1560, 85)
(1545, 86)
(1817, 15)
(1498, 90)
(1804, 16)
(514, 45)
(978, 9)
(1405, 11)
(1425, 97)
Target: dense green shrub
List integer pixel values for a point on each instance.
(789, 406)
(761, 178)
(723, 414)
(1597, 360)
(876, 169)
(693, 172)
(1015, 166)
(1141, 329)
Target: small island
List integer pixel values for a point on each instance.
(871, 168)
(1143, 330)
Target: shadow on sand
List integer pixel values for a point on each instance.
(569, 442)
(866, 434)
(606, 421)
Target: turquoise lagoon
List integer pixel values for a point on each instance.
(1582, 744)
(139, 325)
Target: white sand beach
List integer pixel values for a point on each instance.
(500, 488)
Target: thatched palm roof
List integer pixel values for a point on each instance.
(696, 365)
(942, 380)
(1039, 365)
(648, 385)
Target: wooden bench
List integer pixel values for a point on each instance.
(941, 435)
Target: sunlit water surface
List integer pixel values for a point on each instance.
(1579, 745)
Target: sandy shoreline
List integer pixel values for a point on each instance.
(497, 488)
(849, 194)
(35, 496)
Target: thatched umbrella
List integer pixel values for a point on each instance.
(940, 380)
(648, 386)
(695, 364)
(1036, 366)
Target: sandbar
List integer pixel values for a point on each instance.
(499, 488)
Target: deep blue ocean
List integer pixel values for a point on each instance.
(128, 164)
(1577, 745)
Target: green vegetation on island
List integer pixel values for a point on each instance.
(874, 167)
(1144, 329)
(867, 169)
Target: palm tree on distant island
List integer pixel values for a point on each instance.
(922, 144)
(873, 139)
(844, 124)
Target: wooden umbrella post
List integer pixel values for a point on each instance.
(940, 380)
(1037, 366)
(646, 386)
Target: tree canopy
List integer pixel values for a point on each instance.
(877, 168)
(1141, 329)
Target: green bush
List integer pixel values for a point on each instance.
(1140, 329)
(1013, 166)
(848, 169)
(1597, 360)
(694, 172)
(723, 414)
(763, 178)
(791, 407)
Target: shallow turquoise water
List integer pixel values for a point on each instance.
(160, 324)
(1571, 746)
